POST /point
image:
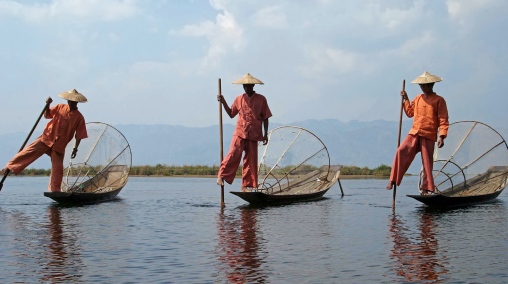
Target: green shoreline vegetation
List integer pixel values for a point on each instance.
(162, 170)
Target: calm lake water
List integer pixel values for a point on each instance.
(172, 230)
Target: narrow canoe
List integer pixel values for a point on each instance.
(311, 186)
(443, 201)
(82, 197)
(268, 199)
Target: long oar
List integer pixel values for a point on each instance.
(7, 171)
(222, 204)
(398, 140)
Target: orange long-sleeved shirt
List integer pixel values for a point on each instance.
(253, 111)
(61, 128)
(430, 114)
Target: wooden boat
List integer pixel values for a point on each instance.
(104, 186)
(443, 201)
(480, 189)
(263, 198)
(77, 198)
(302, 188)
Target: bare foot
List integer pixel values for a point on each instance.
(390, 185)
(245, 189)
(220, 181)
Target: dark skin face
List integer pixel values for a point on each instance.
(427, 88)
(72, 105)
(249, 89)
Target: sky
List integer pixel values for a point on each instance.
(159, 62)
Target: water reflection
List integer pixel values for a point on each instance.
(238, 248)
(62, 254)
(416, 257)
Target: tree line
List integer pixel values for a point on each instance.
(203, 170)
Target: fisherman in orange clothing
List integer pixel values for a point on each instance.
(66, 122)
(253, 113)
(430, 116)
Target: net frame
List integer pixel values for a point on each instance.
(311, 173)
(460, 176)
(84, 174)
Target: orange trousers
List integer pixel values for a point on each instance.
(405, 155)
(231, 162)
(31, 153)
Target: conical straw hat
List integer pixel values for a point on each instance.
(426, 78)
(248, 79)
(74, 96)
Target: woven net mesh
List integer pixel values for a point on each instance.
(102, 163)
(473, 161)
(294, 161)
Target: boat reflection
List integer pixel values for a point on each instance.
(416, 252)
(62, 253)
(238, 249)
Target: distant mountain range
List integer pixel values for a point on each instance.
(354, 143)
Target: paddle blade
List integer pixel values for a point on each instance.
(3, 179)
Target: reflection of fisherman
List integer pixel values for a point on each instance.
(253, 113)
(56, 247)
(238, 248)
(416, 260)
(61, 251)
(430, 115)
(66, 122)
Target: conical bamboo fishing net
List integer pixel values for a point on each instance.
(102, 163)
(473, 161)
(295, 161)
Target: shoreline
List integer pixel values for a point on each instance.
(214, 176)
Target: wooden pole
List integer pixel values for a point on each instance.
(398, 139)
(24, 143)
(222, 204)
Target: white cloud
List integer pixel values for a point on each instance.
(324, 61)
(460, 10)
(223, 35)
(71, 59)
(113, 37)
(396, 18)
(272, 17)
(219, 4)
(386, 18)
(415, 45)
(71, 10)
(465, 12)
(205, 29)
